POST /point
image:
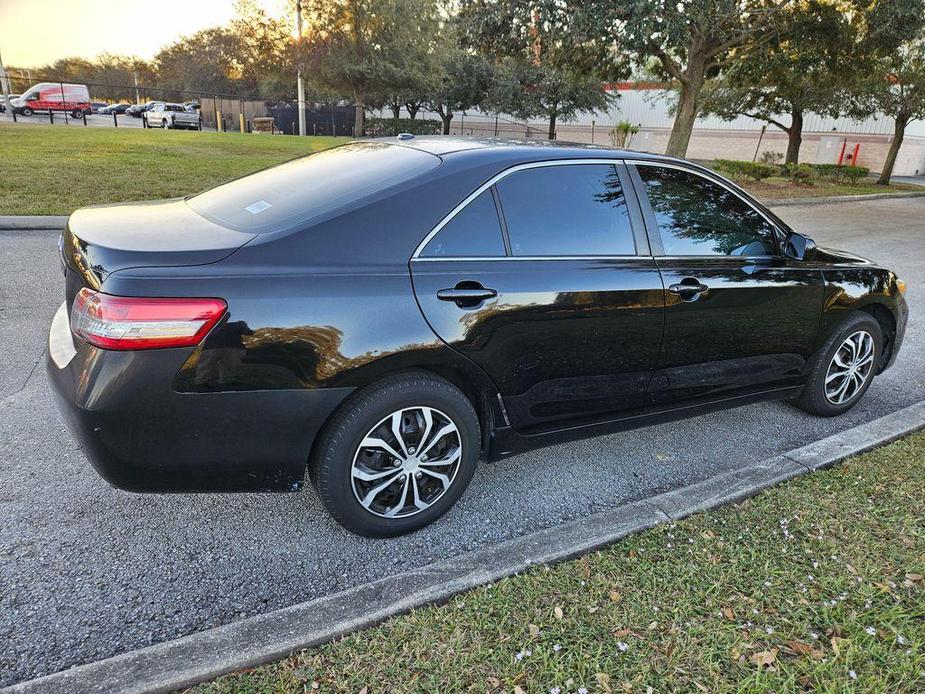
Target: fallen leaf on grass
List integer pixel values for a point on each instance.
(518, 690)
(558, 612)
(729, 614)
(534, 631)
(603, 681)
(615, 596)
(764, 658)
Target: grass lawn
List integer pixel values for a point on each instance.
(777, 188)
(815, 586)
(47, 169)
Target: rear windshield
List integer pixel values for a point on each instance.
(304, 189)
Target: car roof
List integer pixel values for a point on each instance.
(494, 148)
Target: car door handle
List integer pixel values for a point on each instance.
(688, 289)
(466, 294)
(469, 295)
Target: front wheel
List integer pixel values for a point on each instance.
(27, 111)
(397, 456)
(165, 125)
(843, 369)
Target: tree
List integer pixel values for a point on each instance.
(207, 61)
(690, 40)
(361, 47)
(464, 83)
(265, 54)
(895, 88)
(527, 91)
(545, 66)
(798, 70)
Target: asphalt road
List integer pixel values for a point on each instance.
(87, 571)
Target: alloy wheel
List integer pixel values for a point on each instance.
(850, 368)
(406, 462)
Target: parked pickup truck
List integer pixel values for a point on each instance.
(171, 116)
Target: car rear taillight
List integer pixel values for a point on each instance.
(123, 322)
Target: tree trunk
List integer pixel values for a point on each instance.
(412, 110)
(552, 125)
(898, 134)
(688, 106)
(794, 138)
(358, 116)
(396, 111)
(446, 122)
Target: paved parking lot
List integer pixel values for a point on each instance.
(87, 571)
(95, 121)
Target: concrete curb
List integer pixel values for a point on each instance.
(32, 223)
(186, 661)
(833, 199)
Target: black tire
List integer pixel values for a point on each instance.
(27, 112)
(339, 444)
(165, 125)
(814, 399)
(77, 114)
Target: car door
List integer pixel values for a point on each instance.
(543, 278)
(740, 316)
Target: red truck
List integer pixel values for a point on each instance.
(54, 96)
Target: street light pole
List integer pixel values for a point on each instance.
(301, 86)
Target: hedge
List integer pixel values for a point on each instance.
(395, 126)
(745, 169)
(834, 172)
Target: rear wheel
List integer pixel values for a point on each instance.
(27, 111)
(77, 114)
(397, 456)
(843, 369)
(165, 125)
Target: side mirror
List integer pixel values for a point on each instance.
(800, 247)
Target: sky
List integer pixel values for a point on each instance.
(36, 32)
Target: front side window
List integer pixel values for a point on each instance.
(568, 210)
(696, 216)
(475, 231)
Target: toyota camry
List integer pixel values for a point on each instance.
(381, 316)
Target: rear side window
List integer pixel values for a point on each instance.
(474, 232)
(575, 209)
(302, 190)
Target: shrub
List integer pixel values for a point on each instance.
(621, 135)
(377, 127)
(744, 169)
(769, 157)
(834, 172)
(800, 173)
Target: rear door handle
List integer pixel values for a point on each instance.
(466, 294)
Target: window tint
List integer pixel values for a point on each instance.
(474, 231)
(698, 217)
(302, 190)
(566, 210)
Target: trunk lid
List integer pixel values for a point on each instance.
(101, 240)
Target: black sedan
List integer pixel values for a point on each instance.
(385, 314)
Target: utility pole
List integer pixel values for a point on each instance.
(5, 86)
(301, 85)
(135, 80)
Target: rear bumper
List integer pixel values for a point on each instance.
(143, 436)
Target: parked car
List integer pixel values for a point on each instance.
(168, 116)
(13, 98)
(137, 109)
(118, 109)
(192, 105)
(389, 312)
(96, 106)
(54, 96)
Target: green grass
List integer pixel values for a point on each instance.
(814, 586)
(776, 188)
(48, 169)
